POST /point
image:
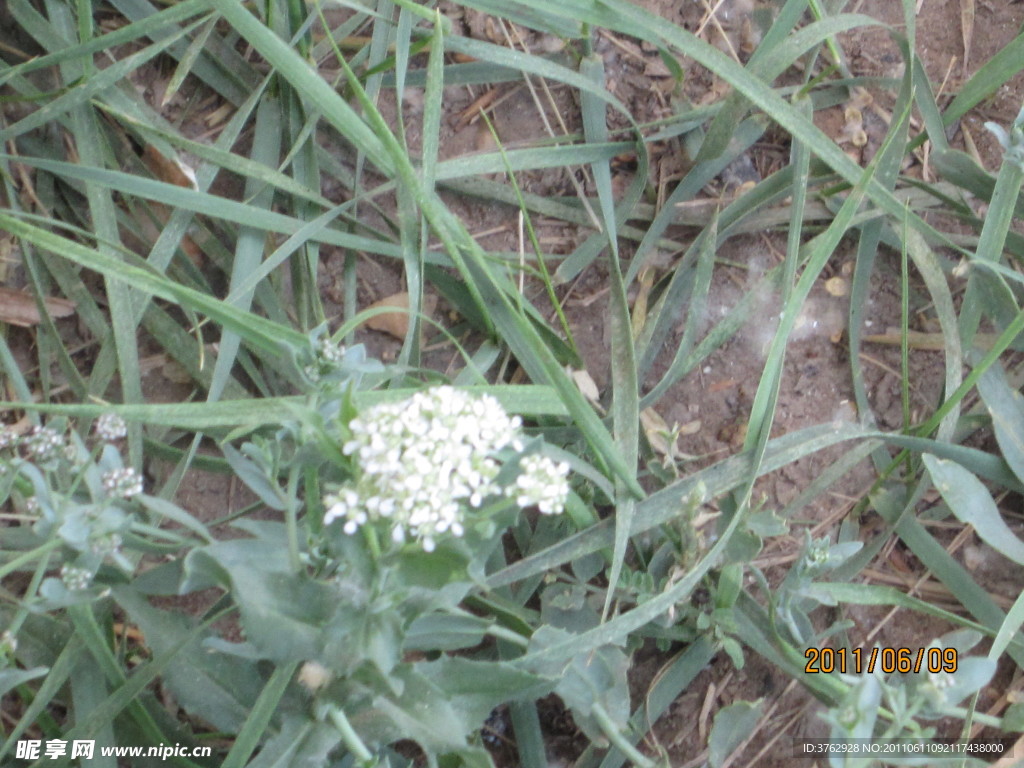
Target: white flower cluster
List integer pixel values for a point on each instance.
(44, 444)
(107, 544)
(123, 483)
(75, 578)
(424, 460)
(542, 482)
(110, 427)
(329, 350)
(8, 438)
(327, 356)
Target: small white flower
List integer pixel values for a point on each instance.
(110, 427)
(344, 505)
(313, 676)
(940, 680)
(8, 643)
(123, 483)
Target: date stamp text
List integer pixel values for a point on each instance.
(857, 661)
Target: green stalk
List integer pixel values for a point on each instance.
(13, 565)
(364, 757)
(609, 729)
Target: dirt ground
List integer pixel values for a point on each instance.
(717, 397)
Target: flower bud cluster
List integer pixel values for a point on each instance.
(423, 462)
(110, 428)
(327, 356)
(44, 444)
(106, 544)
(75, 578)
(8, 438)
(123, 483)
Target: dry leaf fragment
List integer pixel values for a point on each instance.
(662, 438)
(967, 31)
(837, 286)
(397, 323)
(587, 386)
(923, 340)
(481, 104)
(19, 308)
(168, 169)
(656, 68)
(657, 431)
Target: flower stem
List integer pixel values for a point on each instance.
(370, 535)
(27, 557)
(360, 751)
(291, 521)
(508, 635)
(618, 740)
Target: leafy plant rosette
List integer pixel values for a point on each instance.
(359, 589)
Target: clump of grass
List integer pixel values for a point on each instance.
(354, 640)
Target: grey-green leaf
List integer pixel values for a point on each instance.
(731, 726)
(971, 502)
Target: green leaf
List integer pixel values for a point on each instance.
(217, 687)
(527, 400)
(1013, 718)
(260, 717)
(565, 606)
(301, 743)
(444, 632)
(971, 502)
(1006, 406)
(475, 688)
(732, 725)
(438, 704)
(12, 678)
(285, 615)
(591, 678)
(255, 478)
(972, 674)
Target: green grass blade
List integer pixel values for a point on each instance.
(306, 81)
(188, 60)
(625, 395)
(221, 67)
(934, 278)
(166, 18)
(989, 78)
(254, 731)
(249, 247)
(762, 411)
(774, 56)
(263, 334)
(88, 88)
(983, 288)
(528, 400)
(91, 149)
